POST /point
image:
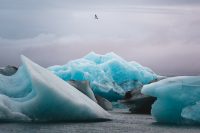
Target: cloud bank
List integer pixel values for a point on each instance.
(161, 35)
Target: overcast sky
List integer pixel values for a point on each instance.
(161, 34)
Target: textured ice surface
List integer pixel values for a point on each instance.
(8, 70)
(35, 94)
(177, 99)
(109, 75)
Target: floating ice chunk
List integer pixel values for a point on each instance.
(8, 70)
(35, 94)
(109, 75)
(177, 99)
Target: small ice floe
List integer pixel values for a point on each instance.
(8, 70)
(177, 99)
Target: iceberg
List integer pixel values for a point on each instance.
(33, 93)
(178, 99)
(8, 70)
(110, 76)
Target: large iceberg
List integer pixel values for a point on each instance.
(35, 94)
(109, 75)
(178, 99)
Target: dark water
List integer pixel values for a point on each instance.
(122, 122)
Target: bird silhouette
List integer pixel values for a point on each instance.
(96, 17)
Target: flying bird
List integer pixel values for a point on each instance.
(95, 16)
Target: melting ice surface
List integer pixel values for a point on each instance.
(178, 99)
(110, 76)
(35, 94)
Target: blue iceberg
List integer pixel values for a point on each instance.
(109, 75)
(178, 99)
(33, 93)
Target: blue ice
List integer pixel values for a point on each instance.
(178, 99)
(35, 94)
(110, 76)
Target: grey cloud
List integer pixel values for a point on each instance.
(171, 59)
(163, 35)
(42, 4)
(20, 24)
